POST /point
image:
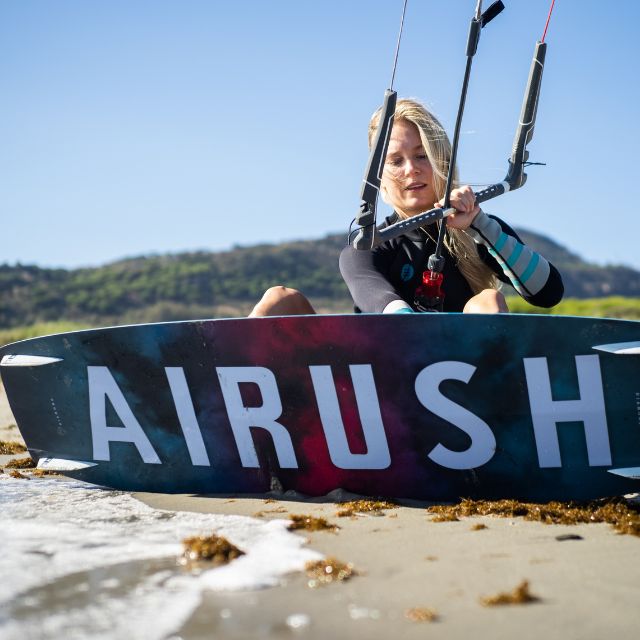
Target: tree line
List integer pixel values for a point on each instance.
(213, 284)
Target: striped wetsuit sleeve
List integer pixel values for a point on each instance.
(528, 271)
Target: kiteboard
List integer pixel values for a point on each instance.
(432, 406)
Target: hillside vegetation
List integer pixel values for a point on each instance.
(224, 284)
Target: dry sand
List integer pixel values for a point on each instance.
(588, 587)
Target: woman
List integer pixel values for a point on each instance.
(479, 250)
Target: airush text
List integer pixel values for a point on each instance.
(547, 415)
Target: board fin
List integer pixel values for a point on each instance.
(60, 464)
(627, 472)
(21, 360)
(620, 348)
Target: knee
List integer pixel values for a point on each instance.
(279, 293)
(487, 301)
(282, 301)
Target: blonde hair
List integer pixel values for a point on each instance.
(438, 149)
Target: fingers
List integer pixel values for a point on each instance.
(463, 199)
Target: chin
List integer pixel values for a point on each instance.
(415, 209)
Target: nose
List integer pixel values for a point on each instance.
(411, 167)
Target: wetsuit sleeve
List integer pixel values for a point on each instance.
(531, 275)
(363, 272)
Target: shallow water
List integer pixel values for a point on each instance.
(79, 561)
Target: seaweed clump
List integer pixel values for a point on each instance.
(310, 523)
(20, 476)
(445, 516)
(11, 448)
(264, 512)
(41, 473)
(421, 614)
(618, 512)
(371, 507)
(323, 572)
(520, 595)
(213, 548)
(21, 463)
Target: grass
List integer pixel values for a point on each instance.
(611, 307)
(41, 329)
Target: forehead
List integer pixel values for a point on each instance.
(404, 134)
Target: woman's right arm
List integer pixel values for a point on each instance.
(365, 275)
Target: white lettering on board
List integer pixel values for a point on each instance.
(102, 386)
(377, 456)
(589, 409)
(483, 442)
(187, 416)
(243, 418)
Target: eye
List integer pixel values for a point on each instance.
(422, 156)
(394, 162)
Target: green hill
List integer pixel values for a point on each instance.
(228, 283)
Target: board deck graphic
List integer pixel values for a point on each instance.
(426, 406)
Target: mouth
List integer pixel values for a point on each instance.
(415, 186)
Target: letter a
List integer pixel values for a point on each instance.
(243, 418)
(589, 409)
(103, 386)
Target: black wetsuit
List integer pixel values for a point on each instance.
(393, 270)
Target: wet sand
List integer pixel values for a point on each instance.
(588, 586)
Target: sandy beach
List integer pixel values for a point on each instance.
(8, 429)
(586, 578)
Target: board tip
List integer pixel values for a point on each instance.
(62, 464)
(620, 348)
(627, 472)
(25, 360)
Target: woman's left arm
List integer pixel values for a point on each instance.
(531, 275)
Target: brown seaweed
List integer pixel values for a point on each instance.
(21, 463)
(623, 515)
(262, 513)
(41, 473)
(370, 507)
(213, 548)
(445, 517)
(421, 614)
(11, 448)
(310, 523)
(327, 571)
(519, 595)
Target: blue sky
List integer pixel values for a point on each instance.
(133, 127)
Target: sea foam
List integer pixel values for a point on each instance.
(79, 561)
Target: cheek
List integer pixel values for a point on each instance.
(390, 193)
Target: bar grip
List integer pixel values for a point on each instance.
(493, 191)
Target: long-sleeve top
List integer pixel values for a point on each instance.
(378, 279)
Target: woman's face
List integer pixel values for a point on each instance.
(407, 179)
